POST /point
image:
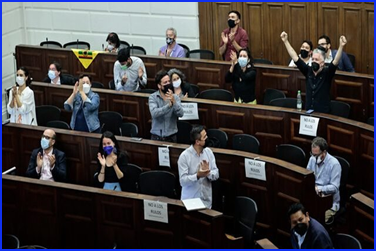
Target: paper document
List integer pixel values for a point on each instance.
(193, 204)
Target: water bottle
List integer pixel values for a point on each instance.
(299, 102)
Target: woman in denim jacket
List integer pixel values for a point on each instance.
(85, 105)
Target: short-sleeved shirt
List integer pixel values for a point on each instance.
(241, 37)
(317, 87)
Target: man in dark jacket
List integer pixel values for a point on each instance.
(46, 162)
(306, 232)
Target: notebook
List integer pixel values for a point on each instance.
(193, 204)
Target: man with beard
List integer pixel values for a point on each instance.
(318, 76)
(197, 168)
(306, 232)
(165, 108)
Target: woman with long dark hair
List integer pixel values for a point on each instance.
(21, 105)
(112, 162)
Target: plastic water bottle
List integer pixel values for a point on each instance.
(299, 102)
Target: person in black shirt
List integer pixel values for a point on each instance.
(112, 162)
(318, 76)
(242, 74)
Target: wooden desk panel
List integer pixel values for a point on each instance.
(57, 215)
(271, 125)
(286, 183)
(353, 88)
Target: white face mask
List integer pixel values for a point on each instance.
(86, 88)
(176, 83)
(319, 160)
(110, 47)
(20, 80)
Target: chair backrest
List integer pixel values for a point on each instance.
(67, 79)
(184, 131)
(345, 166)
(111, 84)
(345, 241)
(51, 44)
(370, 121)
(97, 85)
(137, 50)
(261, 61)
(10, 241)
(219, 135)
(146, 91)
(271, 94)
(186, 49)
(196, 89)
(245, 216)
(201, 54)
(77, 45)
(111, 121)
(158, 183)
(129, 129)
(131, 179)
(291, 153)
(217, 94)
(339, 108)
(58, 124)
(285, 102)
(245, 142)
(47, 113)
(352, 59)
(124, 43)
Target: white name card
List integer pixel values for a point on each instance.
(155, 211)
(164, 156)
(190, 111)
(308, 125)
(254, 169)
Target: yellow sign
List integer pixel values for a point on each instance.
(85, 56)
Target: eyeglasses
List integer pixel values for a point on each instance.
(323, 44)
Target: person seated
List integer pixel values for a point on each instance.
(112, 162)
(129, 72)
(55, 76)
(242, 74)
(85, 104)
(172, 48)
(181, 88)
(21, 105)
(47, 162)
(113, 43)
(344, 63)
(305, 53)
(306, 232)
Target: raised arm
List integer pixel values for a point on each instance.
(289, 48)
(342, 43)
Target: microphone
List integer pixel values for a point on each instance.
(32, 121)
(161, 134)
(115, 188)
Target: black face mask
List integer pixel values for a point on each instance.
(321, 48)
(315, 66)
(207, 143)
(231, 23)
(304, 53)
(169, 40)
(301, 228)
(167, 87)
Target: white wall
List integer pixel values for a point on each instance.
(142, 24)
(13, 34)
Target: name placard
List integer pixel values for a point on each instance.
(164, 156)
(155, 211)
(254, 169)
(308, 125)
(190, 111)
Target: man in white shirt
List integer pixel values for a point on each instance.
(129, 72)
(197, 168)
(46, 162)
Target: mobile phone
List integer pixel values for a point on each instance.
(309, 111)
(136, 139)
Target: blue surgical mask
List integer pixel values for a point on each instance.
(44, 143)
(51, 74)
(242, 62)
(108, 150)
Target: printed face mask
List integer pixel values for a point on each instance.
(169, 40)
